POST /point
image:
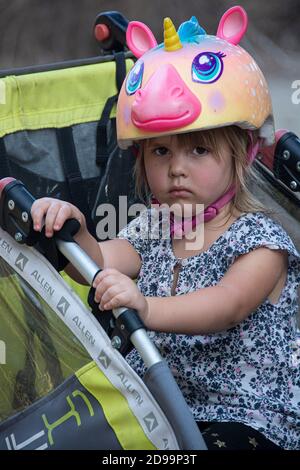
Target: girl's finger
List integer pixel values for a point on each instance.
(109, 294)
(104, 285)
(38, 210)
(64, 213)
(103, 274)
(116, 302)
(50, 218)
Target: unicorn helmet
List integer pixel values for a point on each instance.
(192, 81)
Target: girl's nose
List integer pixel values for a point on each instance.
(177, 166)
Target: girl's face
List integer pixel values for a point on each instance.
(186, 175)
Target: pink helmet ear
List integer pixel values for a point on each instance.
(233, 25)
(139, 38)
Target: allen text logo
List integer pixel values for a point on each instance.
(63, 306)
(150, 422)
(104, 359)
(21, 262)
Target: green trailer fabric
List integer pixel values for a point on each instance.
(56, 99)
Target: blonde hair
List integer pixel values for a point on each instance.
(243, 176)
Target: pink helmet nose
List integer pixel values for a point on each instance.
(176, 91)
(165, 103)
(139, 95)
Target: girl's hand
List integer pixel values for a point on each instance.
(114, 289)
(53, 213)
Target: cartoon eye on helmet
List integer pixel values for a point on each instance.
(134, 78)
(192, 81)
(207, 67)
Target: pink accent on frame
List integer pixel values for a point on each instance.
(233, 25)
(269, 152)
(102, 32)
(139, 38)
(165, 103)
(4, 182)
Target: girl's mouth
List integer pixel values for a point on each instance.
(180, 193)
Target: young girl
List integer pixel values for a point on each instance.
(222, 314)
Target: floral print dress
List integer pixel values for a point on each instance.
(249, 373)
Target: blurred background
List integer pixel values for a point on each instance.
(44, 31)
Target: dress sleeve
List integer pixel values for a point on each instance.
(262, 231)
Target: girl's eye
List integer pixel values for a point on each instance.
(134, 79)
(207, 67)
(160, 151)
(200, 151)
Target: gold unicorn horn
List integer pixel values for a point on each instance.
(171, 38)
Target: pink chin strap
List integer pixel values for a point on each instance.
(179, 228)
(253, 149)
